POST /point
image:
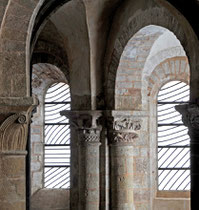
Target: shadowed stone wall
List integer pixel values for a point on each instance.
(43, 76)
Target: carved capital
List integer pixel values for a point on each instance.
(89, 135)
(119, 137)
(190, 115)
(83, 119)
(123, 129)
(87, 124)
(124, 124)
(15, 120)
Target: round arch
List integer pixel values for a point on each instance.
(166, 17)
(166, 71)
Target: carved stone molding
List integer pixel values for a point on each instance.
(89, 136)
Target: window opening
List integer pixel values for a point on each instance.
(57, 137)
(173, 140)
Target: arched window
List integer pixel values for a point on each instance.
(57, 137)
(173, 140)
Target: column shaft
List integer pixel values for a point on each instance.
(12, 181)
(86, 124)
(122, 134)
(122, 177)
(89, 176)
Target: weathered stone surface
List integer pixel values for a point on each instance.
(50, 199)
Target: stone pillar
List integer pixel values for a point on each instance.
(122, 133)
(88, 131)
(14, 118)
(190, 118)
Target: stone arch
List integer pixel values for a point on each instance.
(147, 47)
(161, 16)
(175, 68)
(20, 21)
(45, 52)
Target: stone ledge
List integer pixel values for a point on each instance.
(14, 153)
(16, 104)
(172, 194)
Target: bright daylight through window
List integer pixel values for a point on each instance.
(173, 140)
(57, 137)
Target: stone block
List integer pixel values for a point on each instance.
(177, 65)
(51, 199)
(35, 166)
(141, 165)
(36, 138)
(36, 129)
(37, 179)
(14, 166)
(144, 152)
(18, 205)
(174, 203)
(123, 85)
(38, 148)
(141, 195)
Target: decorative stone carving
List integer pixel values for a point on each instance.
(92, 136)
(123, 137)
(13, 133)
(123, 130)
(127, 124)
(15, 116)
(190, 115)
(87, 124)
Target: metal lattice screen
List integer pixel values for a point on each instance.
(57, 137)
(173, 140)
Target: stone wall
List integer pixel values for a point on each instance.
(43, 76)
(176, 68)
(93, 37)
(142, 70)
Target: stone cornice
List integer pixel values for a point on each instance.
(16, 104)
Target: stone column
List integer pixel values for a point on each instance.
(190, 118)
(122, 133)
(14, 121)
(88, 131)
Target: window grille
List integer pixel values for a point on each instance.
(57, 137)
(173, 140)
